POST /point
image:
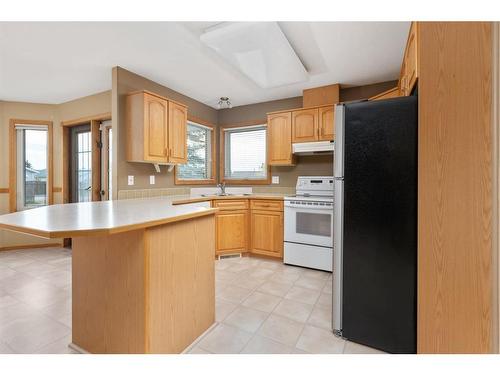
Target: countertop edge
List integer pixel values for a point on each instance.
(107, 231)
(215, 197)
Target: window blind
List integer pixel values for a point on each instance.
(245, 153)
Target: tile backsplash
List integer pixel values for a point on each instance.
(161, 192)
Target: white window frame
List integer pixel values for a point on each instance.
(243, 181)
(20, 161)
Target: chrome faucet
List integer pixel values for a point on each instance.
(222, 188)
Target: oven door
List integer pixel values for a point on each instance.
(307, 225)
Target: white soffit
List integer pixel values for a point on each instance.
(259, 50)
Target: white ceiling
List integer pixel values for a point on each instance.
(56, 62)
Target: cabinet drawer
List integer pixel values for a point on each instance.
(229, 204)
(264, 204)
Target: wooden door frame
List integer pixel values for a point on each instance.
(13, 160)
(94, 122)
(105, 161)
(496, 185)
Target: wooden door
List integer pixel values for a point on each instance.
(326, 123)
(177, 133)
(266, 233)
(155, 129)
(231, 228)
(305, 125)
(279, 139)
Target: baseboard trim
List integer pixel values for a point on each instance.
(29, 247)
(78, 349)
(193, 344)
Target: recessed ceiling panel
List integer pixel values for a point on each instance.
(259, 50)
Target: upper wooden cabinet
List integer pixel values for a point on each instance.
(326, 123)
(305, 125)
(409, 67)
(177, 131)
(295, 126)
(156, 129)
(279, 139)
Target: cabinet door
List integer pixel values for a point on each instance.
(326, 123)
(177, 133)
(305, 125)
(155, 129)
(279, 139)
(231, 229)
(266, 233)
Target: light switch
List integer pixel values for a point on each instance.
(151, 180)
(130, 180)
(276, 180)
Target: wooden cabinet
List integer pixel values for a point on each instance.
(409, 67)
(296, 126)
(326, 123)
(279, 139)
(156, 129)
(266, 228)
(177, 133)
(231, 226)
(231, 231)
(305, 125)
(239, 229)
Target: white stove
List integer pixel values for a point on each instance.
(309, 223)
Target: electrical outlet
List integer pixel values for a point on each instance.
(151, 180)
(276, 180)
(130, 180)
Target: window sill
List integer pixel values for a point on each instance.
(266, 181)
(195, 182)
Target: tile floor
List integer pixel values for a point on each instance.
(262, 306)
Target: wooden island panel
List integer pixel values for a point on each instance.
(144, 291)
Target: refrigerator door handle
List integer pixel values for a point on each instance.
(338, 235)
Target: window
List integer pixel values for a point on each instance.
(31, 168)
(244, 151)
(200, 165)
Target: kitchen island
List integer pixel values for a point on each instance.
(142, 271)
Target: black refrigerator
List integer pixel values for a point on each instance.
(375, 224)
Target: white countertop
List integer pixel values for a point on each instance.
(94, 218)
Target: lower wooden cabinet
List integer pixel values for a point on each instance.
(266, 233)
(231, 231)
(258, 230)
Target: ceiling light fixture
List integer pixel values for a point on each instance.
(224, 103)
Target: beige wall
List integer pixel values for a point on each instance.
(83, 107)
(126, 82)
(306, 165)
(365, 92)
